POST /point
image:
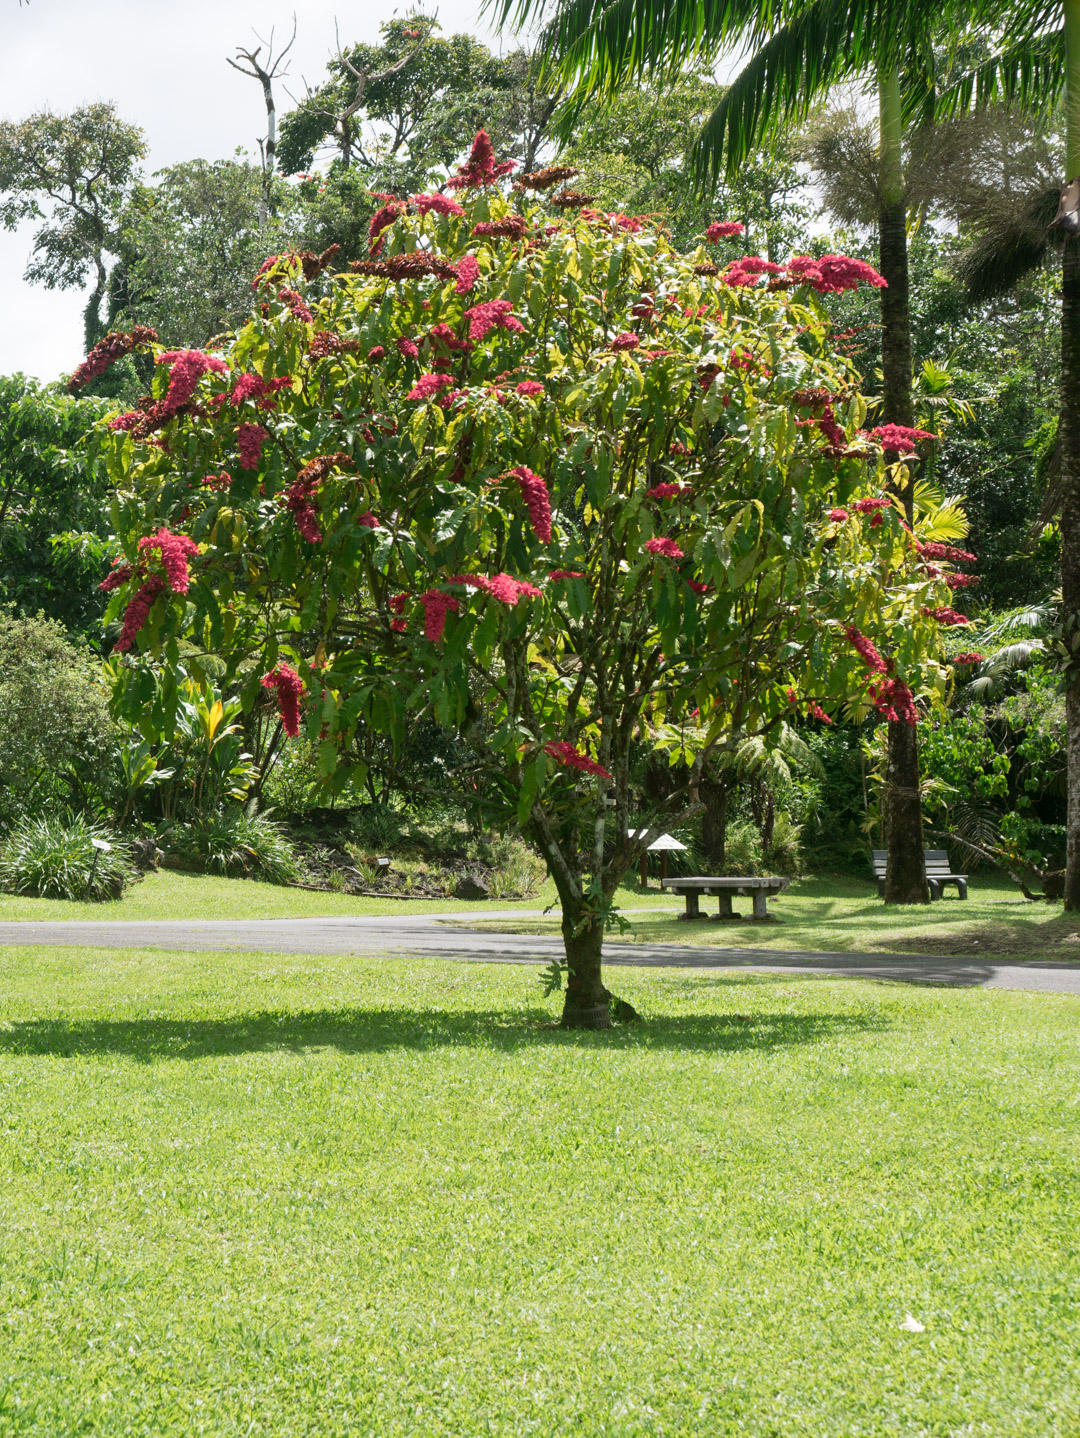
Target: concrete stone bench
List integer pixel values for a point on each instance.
(759, 888)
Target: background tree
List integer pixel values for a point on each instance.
(189, 243)
(248, 62)
(74, 172)
(54, 521)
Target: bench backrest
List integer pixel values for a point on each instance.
(935, 861)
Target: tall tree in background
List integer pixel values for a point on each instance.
(799, 50)
(247, 62)
(74, 172)
(1038, 62)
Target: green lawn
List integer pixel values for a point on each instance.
(283, 1195)
(170, 895)
(846, 915)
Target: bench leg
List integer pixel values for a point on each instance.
(692, 910)
(724, 901)
(881, 888)
(760, 910)
(961, 888)
(935, 889)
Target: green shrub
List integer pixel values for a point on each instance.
(238, 843)
(58, 745)
(784, 854)
(58, 859)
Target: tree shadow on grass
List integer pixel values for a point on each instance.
(356, 1031)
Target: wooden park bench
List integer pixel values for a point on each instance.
(937, 873)
(759, 888)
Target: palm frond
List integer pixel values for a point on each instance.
(823, 42)
(1009, 248)
(1029, 71)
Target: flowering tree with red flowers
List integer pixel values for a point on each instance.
(534, 474)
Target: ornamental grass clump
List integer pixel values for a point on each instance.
(55, 858)
(595, 497)
(238, 844)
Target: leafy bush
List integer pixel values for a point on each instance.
(57, 741)
(59, 859)
(238, 843)
(742, 850)
(784, 854)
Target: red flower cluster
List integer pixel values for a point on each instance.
(944, 615)
(530, 388)
(444, 335)
(429, 385)
(119, 574)
(832, 274)
(837, 515)
(289, 688)
(249, 440)
(188, 368)
(894, 701)
(815, 711)
(933, 550)
(872, 504)
(669, 491)
(408, 348)
(324, 343)
(556, 574)
(534, 492)
(865, 648)
(697, 587)
(961, 581)
(295, 303)
(368, 521)
(625, 341)
(492, 314)
(468, 272)
(397, 603)
(968, 657)
(266, 266)
(298, 497)
(480, 168)
(436, 607)
(441, 204)
(898, 438)
(385, 217)
(115, 345)
(749, 270)
(175, 550)
(510, 227)
(724, 229)
(253, 386)
(135, 615)
(565, 753)
(503, 587)
(217, 481)
(666, 547)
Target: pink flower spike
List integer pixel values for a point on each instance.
(436, 607)
(838, 515)
(898, 438)
(250, 439)
(530, 388)
(429, 385)
(368, 520)
(723, 230)
(566, 574)
(175, 550)
(534, 491)
(468, 272)
(865, 648)
(289, 686)
(625, 341)
(572, 758)
(667, 547)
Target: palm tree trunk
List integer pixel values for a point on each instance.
(905, 872)
(1070, 453)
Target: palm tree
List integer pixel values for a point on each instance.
(1038, 63)
(799, 50)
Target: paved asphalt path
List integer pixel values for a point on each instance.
(445, 936)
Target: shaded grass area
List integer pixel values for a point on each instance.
(845, 915)
(273, 1194)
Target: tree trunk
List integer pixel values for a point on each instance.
(905, 874)
(588, 1003)
(714, 795)
(1070, 457)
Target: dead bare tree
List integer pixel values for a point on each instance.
(343, 119)
(266, 75)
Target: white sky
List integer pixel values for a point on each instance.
(163, 64)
